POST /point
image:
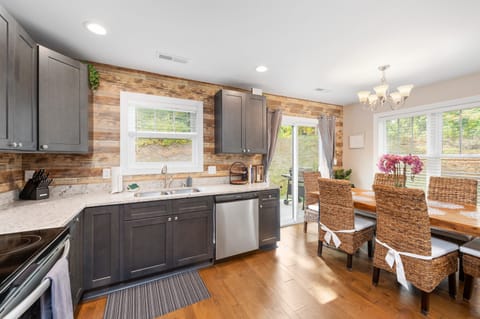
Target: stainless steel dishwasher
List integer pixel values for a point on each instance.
(236, 224)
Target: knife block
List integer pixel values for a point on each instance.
(30, 192)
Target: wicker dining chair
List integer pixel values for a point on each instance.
(310, 182)
(386, 179)
(337, 219)
(471, 265)
(403, 229)
(462, 191)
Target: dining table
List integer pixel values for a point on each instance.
(464, 219)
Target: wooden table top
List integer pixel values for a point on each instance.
(461, 218)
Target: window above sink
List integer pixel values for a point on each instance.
(157, 131)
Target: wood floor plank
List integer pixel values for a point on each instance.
(292, 282)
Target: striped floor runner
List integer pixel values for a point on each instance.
(153, 299)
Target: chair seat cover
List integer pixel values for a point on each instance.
(313, 207)
(362, 223)
(442, 247)
(472, 248)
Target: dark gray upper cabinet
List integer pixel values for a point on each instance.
(269, 217)
(101, 246)
(18, 86)
(240, 123)
(63, 103)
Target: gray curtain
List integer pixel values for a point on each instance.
(274, 119)
(326, 128)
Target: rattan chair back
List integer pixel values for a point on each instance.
(336, 204)
(402, 219)
(310, 182)
(386, 179)
(461, 191)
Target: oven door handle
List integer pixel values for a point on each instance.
(37, 292)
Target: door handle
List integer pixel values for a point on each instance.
(176, 217)
(169, 219)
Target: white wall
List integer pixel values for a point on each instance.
(356, 120)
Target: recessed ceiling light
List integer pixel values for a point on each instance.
(95, 28)
(261, 68)
(322, 90)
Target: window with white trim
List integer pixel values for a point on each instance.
(157, 131)
(446, 137)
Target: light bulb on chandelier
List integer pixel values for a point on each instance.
(382, 95)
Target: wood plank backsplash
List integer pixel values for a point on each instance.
(104, 137)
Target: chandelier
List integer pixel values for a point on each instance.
(383, 96)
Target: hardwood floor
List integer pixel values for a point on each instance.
(292, 282)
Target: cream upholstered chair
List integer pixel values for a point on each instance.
(310, 182)
(338, 221)
(461, 191)
(404, 244)
(471, 265)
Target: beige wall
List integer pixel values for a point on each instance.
(356, 120)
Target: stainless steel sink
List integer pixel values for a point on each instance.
(164, 192)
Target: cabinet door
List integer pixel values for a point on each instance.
(146, 247)
(25, 107)
(101, 251)
(76, 259)
(62, 105)
(6, 68)
(269, 218)
(228, 122)
(192, 237)
(255, 119)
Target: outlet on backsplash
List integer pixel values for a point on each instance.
(28, 174)
(106, 173)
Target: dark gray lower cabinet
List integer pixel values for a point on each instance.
(101, 251)
(269, 217)
(162, 235)
(146, 246)
(192, 238)
(76, 258)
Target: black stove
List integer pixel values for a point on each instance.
(19, 251)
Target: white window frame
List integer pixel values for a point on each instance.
(127, 138)
(434, 120)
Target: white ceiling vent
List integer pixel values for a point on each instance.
(173, 58)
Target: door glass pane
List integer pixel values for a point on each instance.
(279, 172)
(307, 148)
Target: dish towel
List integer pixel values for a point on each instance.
(56, 303)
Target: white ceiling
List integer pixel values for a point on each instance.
(335, 45)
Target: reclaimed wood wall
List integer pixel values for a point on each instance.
(105, 129)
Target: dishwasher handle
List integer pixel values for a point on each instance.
(235, 197)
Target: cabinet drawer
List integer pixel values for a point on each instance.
(273, 194)
(146, 210)
(196, 204)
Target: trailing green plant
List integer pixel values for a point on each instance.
(93, 78)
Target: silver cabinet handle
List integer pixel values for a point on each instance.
(248, 150)
(20, 144)
(44, 147)
(261, 206)
(176, 217)
(13, 144)
(169, 219)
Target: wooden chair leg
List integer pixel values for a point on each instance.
(320, 248)
(305, 227)
(467, 289)
(425, 302)
(452, 285)
(349, 261)
(376, 276)
(370, 248)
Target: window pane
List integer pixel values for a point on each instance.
(148, 119)
(451, 132)
(163, 150)
(407, 135)
(471, 131)
(420, 180)
(308, 148)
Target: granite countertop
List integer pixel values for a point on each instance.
(58, 212)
